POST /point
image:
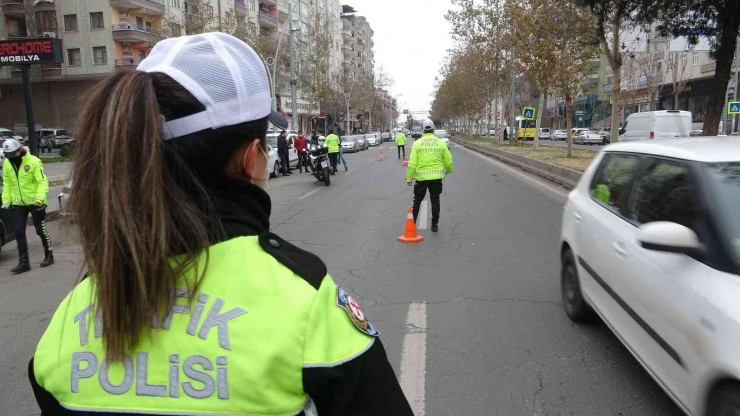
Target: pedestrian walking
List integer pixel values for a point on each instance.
(301, 146)
(25, 186)
(401, 143)
(283, 151)
(192, 306)
(341, 157)
(506, 133)
(430, 160)
(334, 145)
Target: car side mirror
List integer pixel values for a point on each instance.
(669, 237)
(622, 131)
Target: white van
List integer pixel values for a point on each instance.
(665, 124)
(545, 133)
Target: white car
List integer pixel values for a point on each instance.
(544, 133)
(560, 135)
(372, 139)
(273, 161)
(349, 144)
(442, 134)
(651, 242)
(588, 137)
(292, 153)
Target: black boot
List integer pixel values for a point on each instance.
(23, 264)
(48, 259)
(435, 228)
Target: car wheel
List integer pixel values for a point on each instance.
(275, 170)
(725, 401)
(574, 304)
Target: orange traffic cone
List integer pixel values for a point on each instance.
(409, 235)
(405, 161)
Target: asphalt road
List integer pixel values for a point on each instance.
(471, 317)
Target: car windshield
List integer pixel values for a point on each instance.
(725, 181)
(348, 140)
(442, 134)
(62, 132)
(8, 134)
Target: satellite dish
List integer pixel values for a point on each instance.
(270, 61)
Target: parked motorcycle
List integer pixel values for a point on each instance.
(319, 157)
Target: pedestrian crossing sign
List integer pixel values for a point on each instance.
(528, 113)
(733, 107)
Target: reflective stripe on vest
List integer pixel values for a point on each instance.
(239, 348)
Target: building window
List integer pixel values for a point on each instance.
(695, 59)
(684, 60)
(74, 57)
(252, 6)
(175, 29)
(96, 20)
(100, 56)
(70, 22)
(175, 3)
(186, 7)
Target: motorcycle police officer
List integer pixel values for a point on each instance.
(24, 190)
(430, 160)
(192, 306)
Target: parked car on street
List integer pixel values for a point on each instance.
(361, 142)
(576, 131)
(292, 153)
(664, 124)
(606, 136)
(53, 138)
(373, 139)
(545, 133)
(588, 137)
(385, 136)
(696, 133)
(273, 161)
(349, 144)
(560, 135)
(650, 242)
(9, 134)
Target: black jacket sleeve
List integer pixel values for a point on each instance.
(363, 386)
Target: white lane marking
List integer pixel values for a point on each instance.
(553, 190)
(371, 161)
(423, 216)
(350, 171)
(310, 193)
(414, 356)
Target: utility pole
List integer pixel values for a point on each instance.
(737, 86)
(293, 81)
(512, 117)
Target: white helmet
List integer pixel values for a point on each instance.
(10, 146)
(427, 125)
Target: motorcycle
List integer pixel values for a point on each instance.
(319, 158)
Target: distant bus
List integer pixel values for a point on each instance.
(526, 129)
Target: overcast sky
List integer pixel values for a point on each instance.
(411, 40)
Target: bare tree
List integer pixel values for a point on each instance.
(677, 65)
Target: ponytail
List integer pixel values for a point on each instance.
(132, 215)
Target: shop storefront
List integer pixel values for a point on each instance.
(694, 97)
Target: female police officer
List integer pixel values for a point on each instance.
(191, 305)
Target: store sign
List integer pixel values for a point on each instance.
(30, 51)
(303, 107)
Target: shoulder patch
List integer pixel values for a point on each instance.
(349, 305)
(306, 265)
(26, 168)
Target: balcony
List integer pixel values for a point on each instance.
(45, 6)
(13, 7)
(588, 81)
(240, 6)
(128, 62)
(153, 7)
(127, 32)
(268, 2)
(710, 67)
(266, 19)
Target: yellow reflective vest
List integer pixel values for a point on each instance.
(400, 139)
(25, 185)
(333, 143)
(241, 347)
(430, 159)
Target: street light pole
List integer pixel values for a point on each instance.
(293, 81)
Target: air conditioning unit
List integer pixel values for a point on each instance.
(50, 34)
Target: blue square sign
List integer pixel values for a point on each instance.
(528, 113)
(733, 107)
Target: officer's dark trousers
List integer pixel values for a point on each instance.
(420, 191)
(333, 160)
(39, 221)
(285, 162)
(400, 148)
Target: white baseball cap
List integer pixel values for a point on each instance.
(11, 146)
(223, 73)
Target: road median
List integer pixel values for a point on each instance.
(549, 163)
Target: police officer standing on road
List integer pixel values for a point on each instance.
(334, 145)
(25, 186)
(283, 151)
(430, 159)
(192, 306)
(401, 143)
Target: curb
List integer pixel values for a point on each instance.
(567, 178)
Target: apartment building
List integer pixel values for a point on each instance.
(357, 37)
(99, 37)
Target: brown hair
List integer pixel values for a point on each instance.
(142, 200)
